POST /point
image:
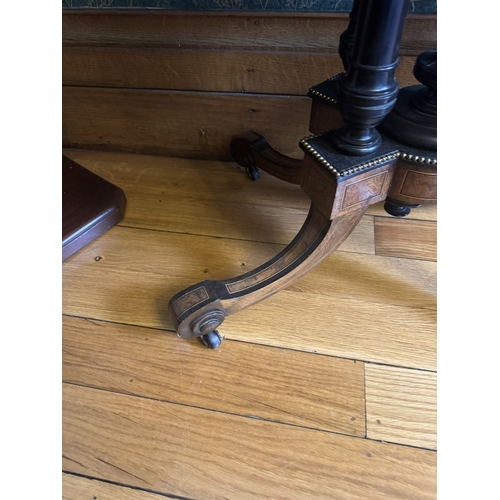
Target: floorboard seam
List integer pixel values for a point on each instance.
(426, 370)
(107, 481)
(251, 417)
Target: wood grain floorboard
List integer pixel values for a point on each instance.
(227, 204)
(412, 239)
(272, 384)
(202, 454)
(220, 179)
(129, 275)
(216, 198)
(269, 413)
(401, 405)
(344, 328)
(192, 180)
(81, 488)
(373, 279)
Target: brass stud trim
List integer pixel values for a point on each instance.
(315, 93)
(371, 163)
(349, 171)
(418, 159)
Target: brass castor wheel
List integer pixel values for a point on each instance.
(212, 339)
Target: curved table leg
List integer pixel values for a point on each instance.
(338, 201)
(252, 151)
(200, 309)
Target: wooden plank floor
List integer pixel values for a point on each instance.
(326, 390)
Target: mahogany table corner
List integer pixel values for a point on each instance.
(90, 206)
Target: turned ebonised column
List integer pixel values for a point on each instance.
(367, 92)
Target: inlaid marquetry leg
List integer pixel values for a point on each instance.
(339, 200)
(201, 309)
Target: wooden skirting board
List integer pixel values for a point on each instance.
(173, 123)
(184, 84)
(222, 70)
(264, 30)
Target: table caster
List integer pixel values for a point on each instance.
(212, 339)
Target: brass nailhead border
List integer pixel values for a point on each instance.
(417, 159)
(323, 96)
(363, 166)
